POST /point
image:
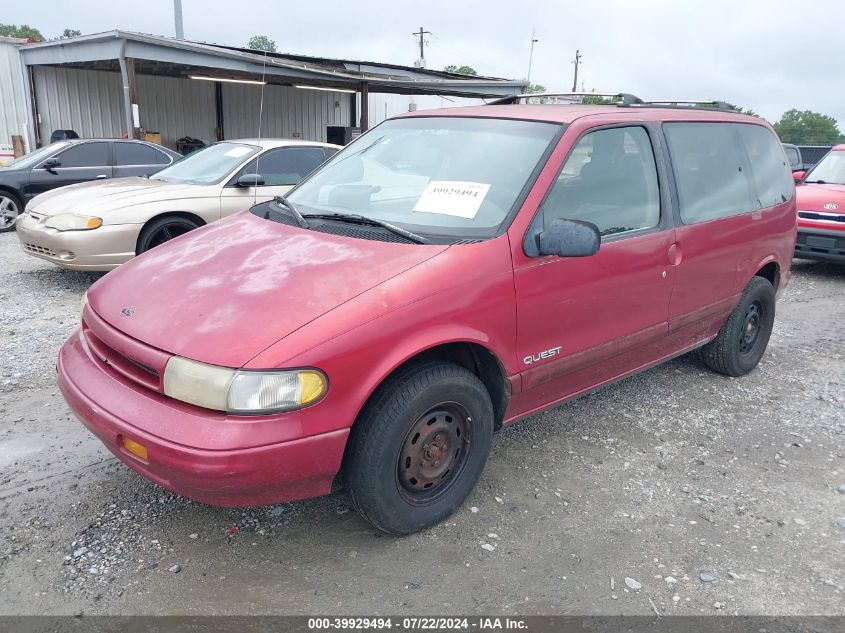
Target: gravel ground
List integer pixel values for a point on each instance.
(676, 490)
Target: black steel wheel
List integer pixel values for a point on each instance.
(419, 446)
(163, 230)
(742, 340)
(434, 453)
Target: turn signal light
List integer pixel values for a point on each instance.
(131, 446)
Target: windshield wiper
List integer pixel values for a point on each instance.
(354, 218)
(816, 182)
(287, 204)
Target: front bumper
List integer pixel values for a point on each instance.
(114, 409)
(820, 244)
(102, 249)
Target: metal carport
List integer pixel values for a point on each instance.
(96, 83)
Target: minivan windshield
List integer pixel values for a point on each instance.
(449, 176)
(209, 165)
(33, 158)
(831, 169)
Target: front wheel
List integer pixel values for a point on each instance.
(10, 208)
(163, 230)
(419, 447)
(741, 341)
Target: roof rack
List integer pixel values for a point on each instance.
(613, 98)
(711, 104)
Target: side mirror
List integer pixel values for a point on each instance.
(51, 163)
(798, 176)
(250, 180)
(570, 238)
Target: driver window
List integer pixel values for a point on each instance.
(609, 179)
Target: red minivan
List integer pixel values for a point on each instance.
(446, 274)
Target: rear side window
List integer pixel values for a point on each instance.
(769, 167)
(608, 179)
(134, 154)
(86, 155)
(724, 169)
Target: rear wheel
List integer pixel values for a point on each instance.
(743, 338)
(163, 230)
(10, 208)
(419, 447)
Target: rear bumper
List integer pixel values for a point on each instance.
(101, 249)
(821, 244)
(285, 471)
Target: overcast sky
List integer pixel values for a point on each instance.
(768, 55)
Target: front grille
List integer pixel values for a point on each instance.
(121, 354)
(809, 244)
(122, 364)
(827, 217)
(38, 249)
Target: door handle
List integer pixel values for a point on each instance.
(674, 255)
(102, 176)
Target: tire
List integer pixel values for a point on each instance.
(162, 230)
(11, 207)
(419, 447)
(742, 340)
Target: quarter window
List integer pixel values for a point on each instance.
(86, 155)
(710, 171)
(609, 179)
(769, 166)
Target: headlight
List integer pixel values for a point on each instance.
(240, 391)
(72, 222)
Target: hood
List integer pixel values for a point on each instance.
(102, 196)
(814, 197)
(225, 292)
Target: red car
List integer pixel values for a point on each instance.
(448, 273)
(820, 195)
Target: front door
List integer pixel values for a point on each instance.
(583, 321)
(280, 169)
(81, 162)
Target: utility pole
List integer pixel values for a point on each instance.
(421, 33)
(534, 40)
(177, 17)
(577, 62)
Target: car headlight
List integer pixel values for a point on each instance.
(72, 222)
(242, 391)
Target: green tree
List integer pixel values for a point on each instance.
(262, 43)
(534, 88)
(807, 128)
(24, 30)
(461, 70)
(598, 100)
(70, 33)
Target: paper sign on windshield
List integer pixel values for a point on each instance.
(237, 152)
(452, 197)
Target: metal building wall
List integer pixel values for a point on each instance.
(91, 103)
(287, 110)
(87, 101)
(14, 113)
